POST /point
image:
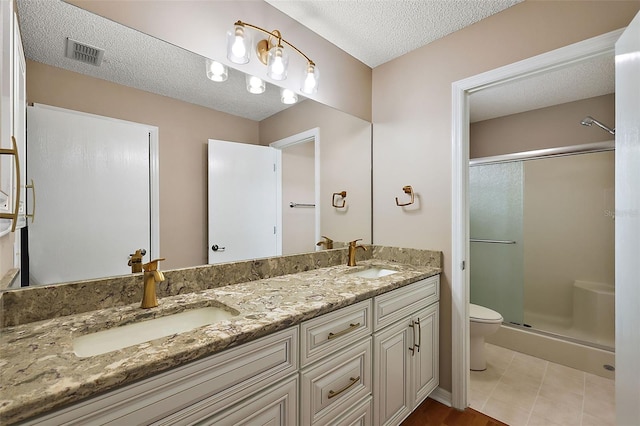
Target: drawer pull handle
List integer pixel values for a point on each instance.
(353, 381)
(343, 332)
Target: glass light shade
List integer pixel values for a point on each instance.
(277, 63)
(288, 97)
(310, 79)
(255, 85)
(216, 71)
(238, 42)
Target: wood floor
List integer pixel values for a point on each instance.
(433, 413)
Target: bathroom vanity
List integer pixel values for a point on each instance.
(328, 345)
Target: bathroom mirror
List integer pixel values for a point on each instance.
(258, 119)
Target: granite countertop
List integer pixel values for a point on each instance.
(40, 371)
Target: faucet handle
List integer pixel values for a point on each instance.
(153, 265)
(354, 242)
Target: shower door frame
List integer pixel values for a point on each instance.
(555, 59)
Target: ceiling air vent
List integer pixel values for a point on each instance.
(84, 53)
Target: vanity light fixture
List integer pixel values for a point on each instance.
(288, 97)
(270, 52)
(216, 71)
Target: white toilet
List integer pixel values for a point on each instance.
(483, 322)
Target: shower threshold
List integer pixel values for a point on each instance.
(560, 336)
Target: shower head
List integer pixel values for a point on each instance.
(588, 121)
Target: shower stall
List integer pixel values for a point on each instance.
(542, 242)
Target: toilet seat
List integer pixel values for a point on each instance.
(481, 314)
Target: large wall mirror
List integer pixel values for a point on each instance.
(145, 80)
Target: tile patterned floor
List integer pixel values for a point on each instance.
(522, 390)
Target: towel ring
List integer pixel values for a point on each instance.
(407, 190)
(342, 194)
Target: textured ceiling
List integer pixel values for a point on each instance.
(585, 79)
(136, 60)
(372, 31)
(376, 31)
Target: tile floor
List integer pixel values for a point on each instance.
(519, 389)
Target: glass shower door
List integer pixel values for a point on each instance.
(496, 230)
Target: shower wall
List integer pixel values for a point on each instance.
(568, 232)
(551, 127)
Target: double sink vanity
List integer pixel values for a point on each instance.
(301, 339)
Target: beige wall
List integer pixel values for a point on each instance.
(345, 164)
(200, 26)
(568, 229)
(6, 254)
(183, 133)
(552, 127)
(412, 117)
(298, 186)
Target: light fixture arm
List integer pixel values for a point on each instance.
(278, 35)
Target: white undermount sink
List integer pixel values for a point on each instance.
(373, 272)
(124, 336)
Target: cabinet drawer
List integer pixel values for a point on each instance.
(200, 388)
(360, 415)
(323, 335)
(332, 386)
(397, 304)
(277, 406)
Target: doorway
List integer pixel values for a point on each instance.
(299, 195)
(461, 91)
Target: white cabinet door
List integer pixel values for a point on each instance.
(424, 362)
(391, 387)
(6, 111)
(242, 202)
(20, 120)
(12, 125)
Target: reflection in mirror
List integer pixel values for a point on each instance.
(145, 80)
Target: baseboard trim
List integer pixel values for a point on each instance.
(442, 396)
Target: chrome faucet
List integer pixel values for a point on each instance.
(151, 277)
(352, 251)
(326, 242)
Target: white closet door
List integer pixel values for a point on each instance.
(242, 201)
(92, 186)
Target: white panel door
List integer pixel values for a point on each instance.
(628, 224)
(92, 182)
(242, 201)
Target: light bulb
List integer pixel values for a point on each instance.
(288, 97)
(278, 66)
(238, 48)
(310, 79)
(255, 85)
(237, 45)
(277, 63)
(216, 71)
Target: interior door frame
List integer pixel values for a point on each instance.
(279, 145)
(461, 90)
(154, 171)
